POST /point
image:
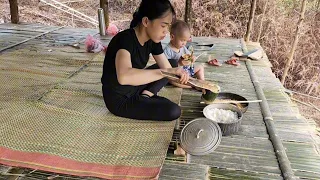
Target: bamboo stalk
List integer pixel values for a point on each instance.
(221, 101)
(70, 11)
(313, 97)
(15, 174)
(295, 42)
(64, 2)
(201, 54)
(262, 19)
(250, 22)
(306, 104)
(315, 107)
(279, 149)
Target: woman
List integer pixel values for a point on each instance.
(130, 90)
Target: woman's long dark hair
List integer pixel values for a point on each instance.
(152, 9)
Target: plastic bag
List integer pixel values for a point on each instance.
(94, 45)
(112, 30)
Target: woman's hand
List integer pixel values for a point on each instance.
(184, 76)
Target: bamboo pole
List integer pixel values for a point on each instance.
(313, 97)
(280, 151)
(250, 22)
(222, 101)
(306, 104)
(262, 19)
(71, 11)
(315, 107)
(14, 12)
(188, 10)
(295, 42)
(63, 2)
(104, 4)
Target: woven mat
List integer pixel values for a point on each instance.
(61, 125)
(74, 138)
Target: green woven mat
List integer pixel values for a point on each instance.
(68, 131)
(109, 140)
(50, 61)
(24, 85)
(31, 72)
(52, 104)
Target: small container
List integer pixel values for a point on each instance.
(227, 128)
(201, 136)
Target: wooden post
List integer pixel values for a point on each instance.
(262, 19)
(188, 10)
(14, 11)
(250, 22)
(295, 42)
(105, 6)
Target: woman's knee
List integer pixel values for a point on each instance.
(174, 112)
(201, 67)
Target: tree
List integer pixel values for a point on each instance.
(295, 42)
(14, 12)
(262, 19)
(250, 22)
(188, 10)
